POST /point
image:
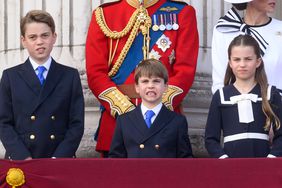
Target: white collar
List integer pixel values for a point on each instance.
(156, 109)
(47, 64)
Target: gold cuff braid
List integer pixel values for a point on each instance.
(119, 103)
(168, 96)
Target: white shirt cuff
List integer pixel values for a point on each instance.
(223, 156)
(271, 156)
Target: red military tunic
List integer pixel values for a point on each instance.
(180, 59)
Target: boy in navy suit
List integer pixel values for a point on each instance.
(41, 101)
(151, 130)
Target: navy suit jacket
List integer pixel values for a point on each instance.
(167, 137)
(41, 121)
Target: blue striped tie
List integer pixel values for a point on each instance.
(40, 76)
(149, 114)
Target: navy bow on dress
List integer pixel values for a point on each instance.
(232, 22)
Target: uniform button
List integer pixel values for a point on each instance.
(157, 146)
(32, 118)
(141, 146)
(53, 117)
(52, 137)
(32, 137)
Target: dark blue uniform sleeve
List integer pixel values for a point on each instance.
(117, 149)
(276, 105)
(214, 128)
(184, 149)
(12, 141)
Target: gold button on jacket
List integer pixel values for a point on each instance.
(32, 137)
(52, 137)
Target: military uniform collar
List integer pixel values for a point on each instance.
(145, 3)
(108, 1)
(136, 3)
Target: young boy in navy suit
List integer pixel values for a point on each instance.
(41, 101)
(151, 130)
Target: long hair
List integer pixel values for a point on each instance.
(260, 78)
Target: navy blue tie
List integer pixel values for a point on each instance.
(148, 116)
(40, 76)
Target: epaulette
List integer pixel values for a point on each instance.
(181, 1)
(112, 1)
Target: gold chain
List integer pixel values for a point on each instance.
(140, 19)
(106, 30)
(125, 50)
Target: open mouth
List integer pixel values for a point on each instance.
(151, 93)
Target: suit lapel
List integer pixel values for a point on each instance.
(28, 75)
(161, 121)
(138, 121)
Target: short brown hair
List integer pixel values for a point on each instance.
(38, 16)
(151, 67)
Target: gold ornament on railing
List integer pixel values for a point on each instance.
(140, 20)
(15, 177)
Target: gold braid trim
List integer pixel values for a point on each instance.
(144, 3)
(139, 20)
(107, 31)
(168, 96)
(119, 103)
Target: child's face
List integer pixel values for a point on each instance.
(38, 41)
(151, 90)
(244, 62)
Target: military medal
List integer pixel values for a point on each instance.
(169, 22)
(155, 27)
(163, 43)
(162, 26)
(175, 26)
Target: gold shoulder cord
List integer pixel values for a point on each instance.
(140, 19)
